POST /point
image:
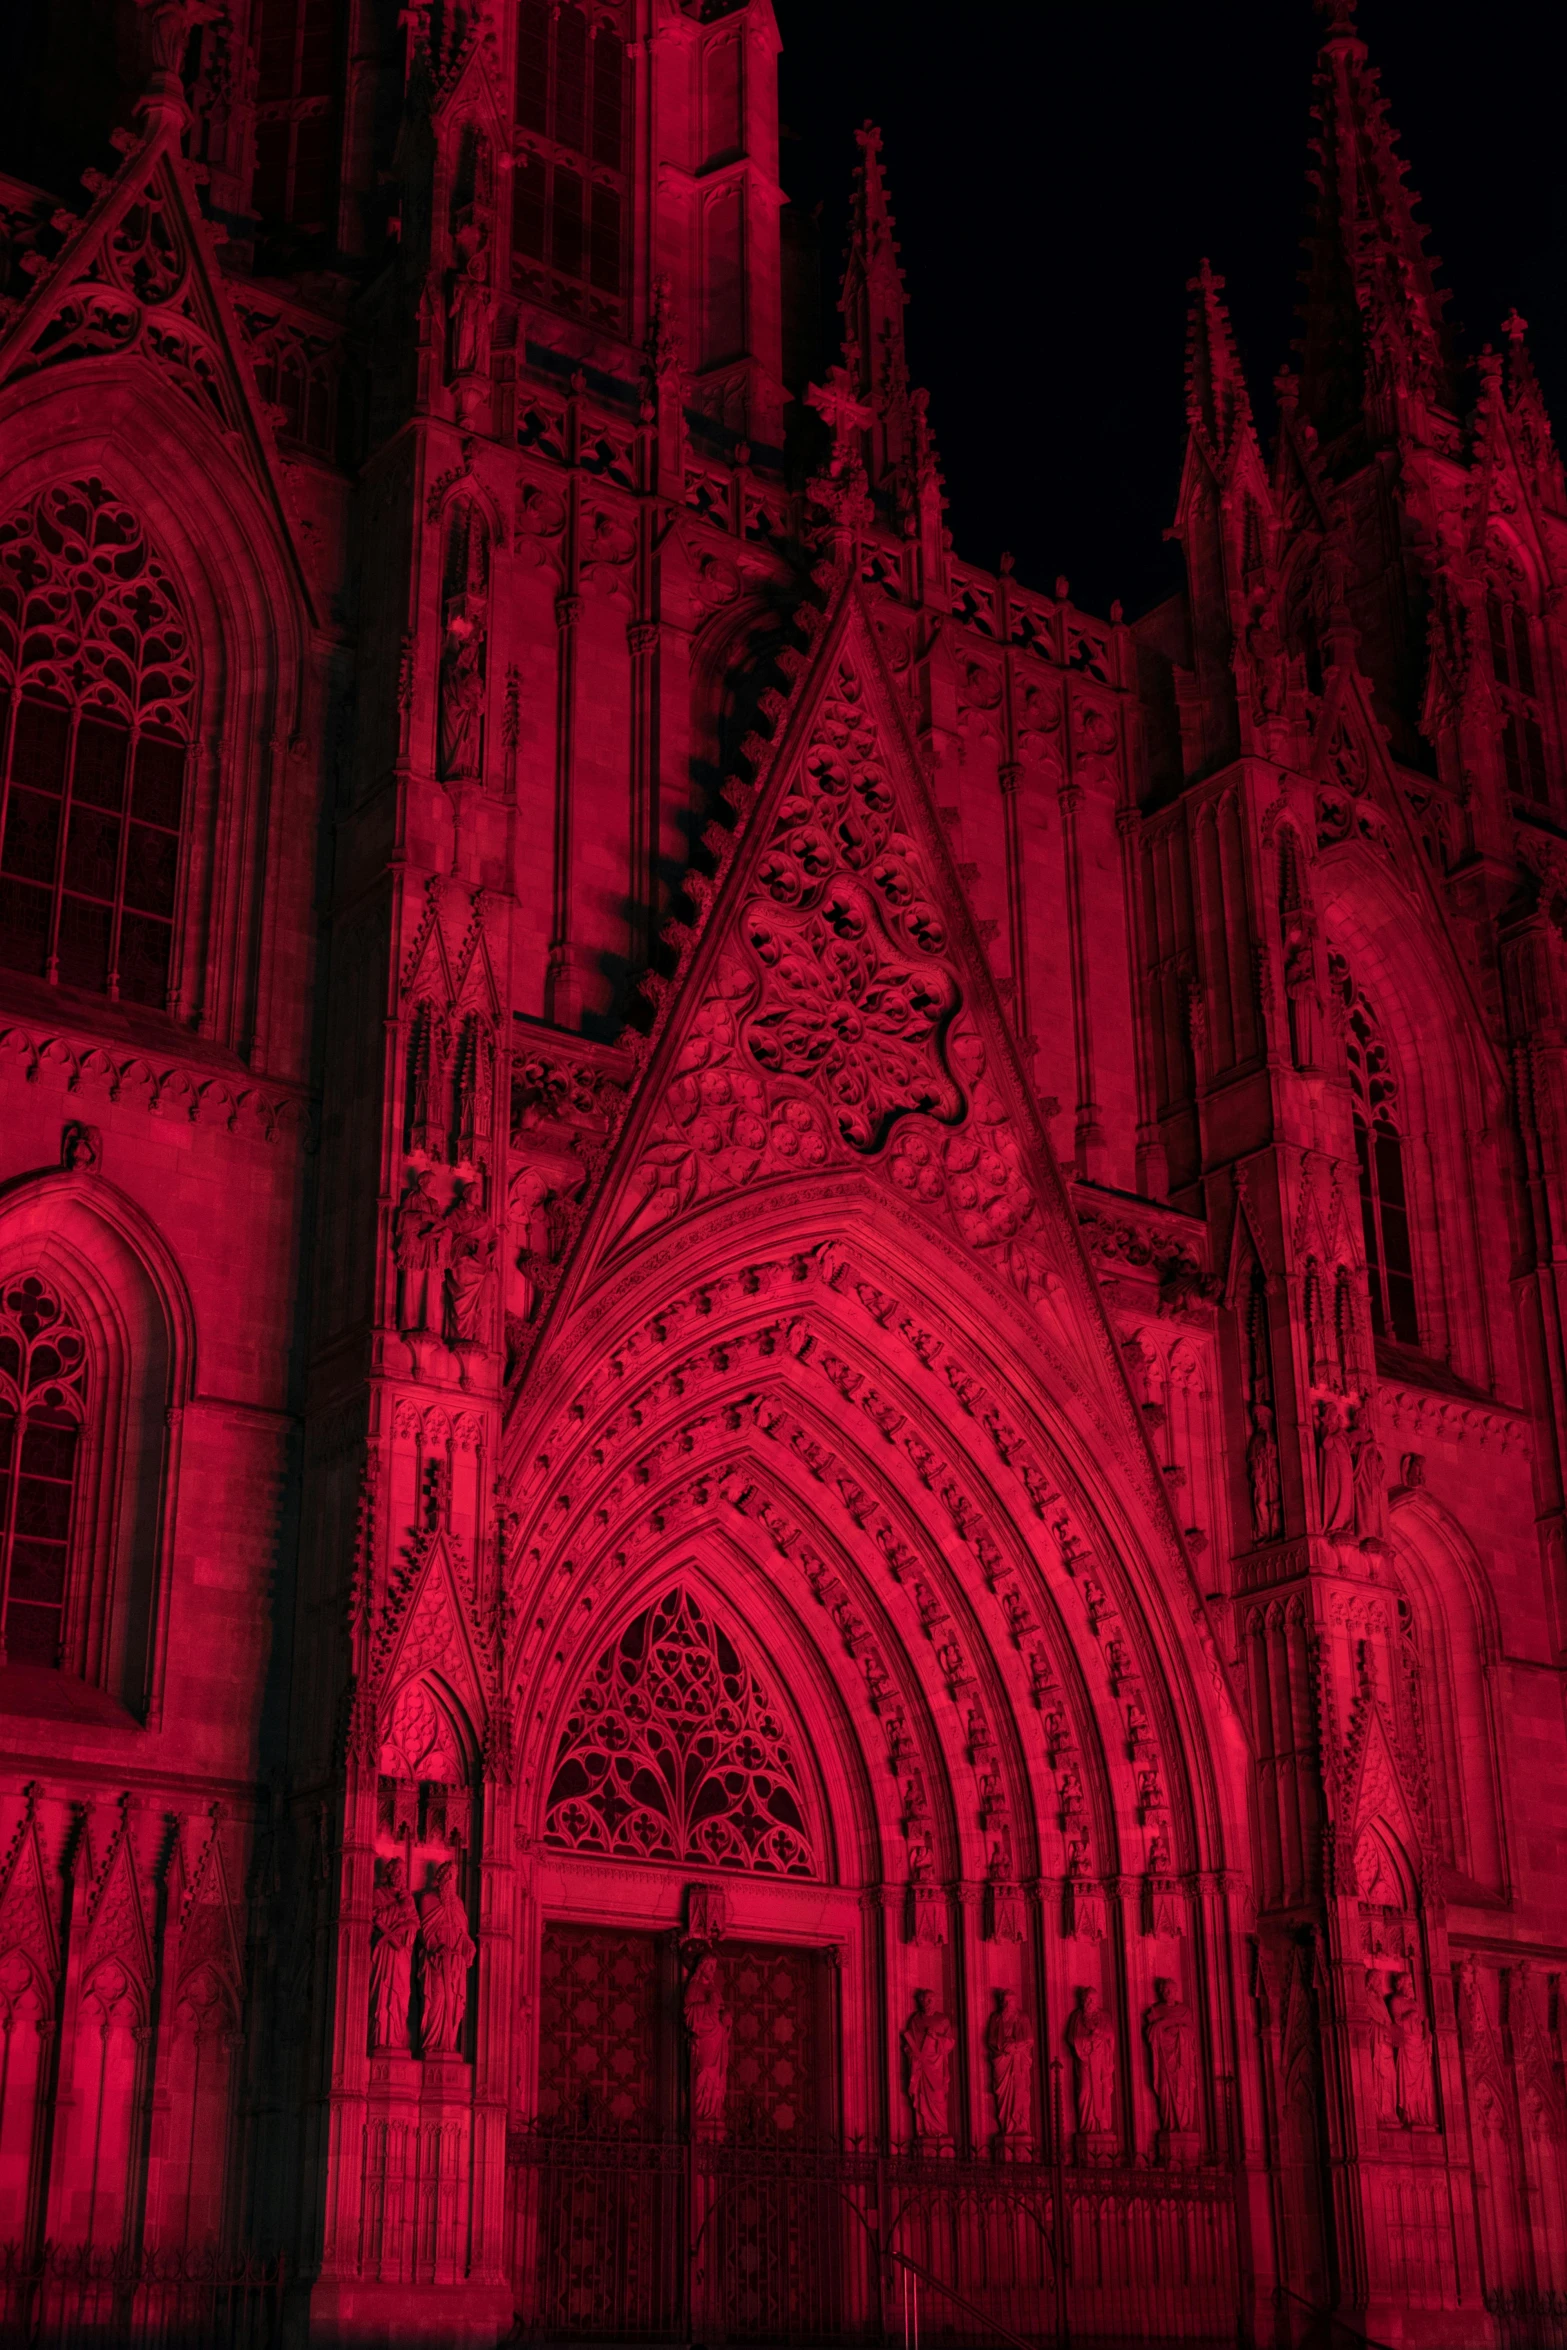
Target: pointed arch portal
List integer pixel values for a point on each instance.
(868, 1726)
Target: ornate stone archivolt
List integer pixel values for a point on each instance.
(802, 1398)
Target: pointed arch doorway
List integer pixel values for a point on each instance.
(685, 2140)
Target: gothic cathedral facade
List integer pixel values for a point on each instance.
(782, 1333)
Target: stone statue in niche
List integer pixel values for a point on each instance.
(446, 1952)
(394, 1923)
(1265, 652)
(1171, 2034)
(419, 1246)
(928, 2041)
(1009, 2040)
(1262, 1471)
(1336, 1470)
(1370, 1481)
(1090, 2035)
(469, 305)
(1084, 1903)
(462, 695)
(1411, 2055)
(470, 1262)
(1384, 2064)
(707, 2021)
(1300, 994)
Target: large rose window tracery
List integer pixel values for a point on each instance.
(673, 1751)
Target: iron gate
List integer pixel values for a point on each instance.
(678, 2240)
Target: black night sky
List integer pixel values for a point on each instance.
(1058, 170)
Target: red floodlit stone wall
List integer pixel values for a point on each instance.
(780, 1358)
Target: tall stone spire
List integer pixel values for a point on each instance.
(872, 303)
(1218, 405)
(1374, 349)
(1226, 521)
(1531, 424)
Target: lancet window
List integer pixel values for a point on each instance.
(1379, 1157)
(43, 1380)
(569, 183)
(296, 113)
(1512, 662)
(674, 1751)
(96, 695)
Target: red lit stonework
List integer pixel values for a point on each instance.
(875, 1620)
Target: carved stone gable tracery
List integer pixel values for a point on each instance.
(837, 1022)
(674, 1751)
(843, 941)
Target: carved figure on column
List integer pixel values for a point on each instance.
(394, 1923)
(1262, 1470)
(471, 1259)
(462, 697)
(419, 1244)
(708, 2025)
(1171, 2033)
(1370, 1481)
(1384, 2068)
(1265, 653)
(469, 306)
(446, 1952)
(1336, 1470)
(928, 2041)
(1412, 2055)
(1009, 2039)
(1090, 2035)
(1300, 994)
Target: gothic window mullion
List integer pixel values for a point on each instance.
(15, 1422)
(96, 748)
(62, 838)
(122, 855)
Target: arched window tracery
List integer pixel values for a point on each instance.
(674, 1751)
(1379, 1157)
(43, 1394)
(97, 689)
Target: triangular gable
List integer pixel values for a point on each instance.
(448, 966)
(427, 1629)
(833, 1011)
(469, 85)
(1482, 2057)
(207, 1932)
(116, 1920)
(1503, 481)
(1538, 2094)
(1246, 1249)
(26, 1913)
(1356, 796)
(836, 1007)
(137, 274)
(1376, 1792)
